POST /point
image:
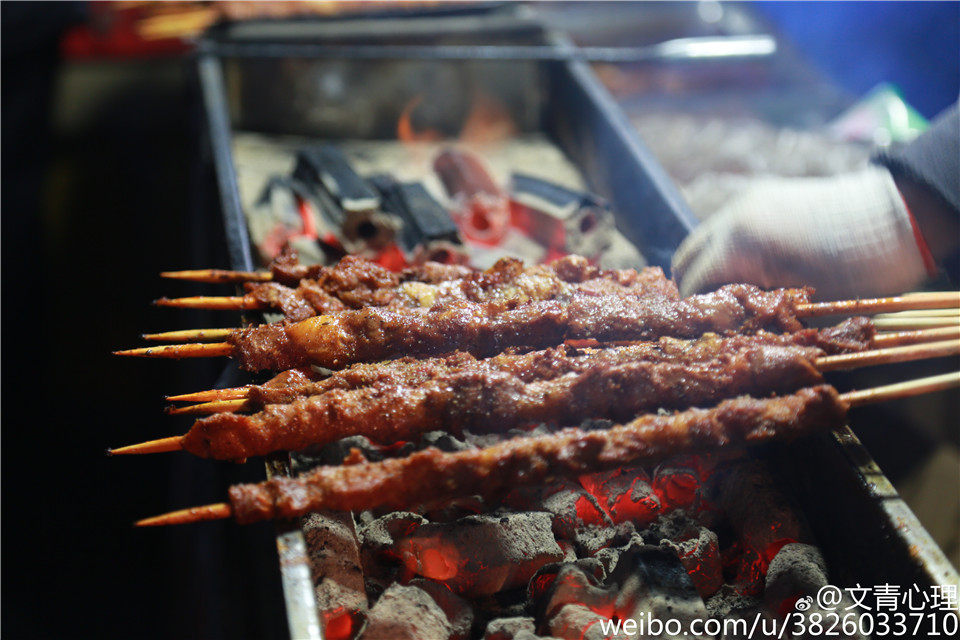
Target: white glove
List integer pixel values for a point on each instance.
(848, 236)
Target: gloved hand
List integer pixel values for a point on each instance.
(848, 236)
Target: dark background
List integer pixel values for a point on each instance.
(105, 183)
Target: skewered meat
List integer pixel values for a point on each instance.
(396, 401)
(287, 270)
(433, 475)
(356, 283)
(371, 334)
(851, 335)
(614, 383)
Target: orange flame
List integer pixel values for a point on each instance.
(405, 129)
(488, 121)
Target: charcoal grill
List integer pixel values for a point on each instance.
(552, 89)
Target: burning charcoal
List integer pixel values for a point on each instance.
(443, 441)
(481, 207)
(796, 571)
(569, 551)
(356, 211)
(579, 622)
(458, 611)
(697, 547)
(653, 584)
(672, 526)
(700, 555)
(762, 516)
(520, 628)
(678, 487)
(426, 223)
(577, 515)
(543, 581)
(625, 494)
(510, 603)
(609, 556)
(481, 555)
(452, 510)
(573, 585)
(334, 453)
(591, 540)
(799, 571)
(377, 541)
(559, 218)
(406, 613)
(592, 567)
(570, 505)
(729, 602)
(337, 578)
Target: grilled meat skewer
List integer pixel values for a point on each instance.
(356, 283)
(432, 475)
(372, 334)
(616, 384)
(851, 335)
(485, 329)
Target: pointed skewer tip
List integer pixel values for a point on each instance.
(218, 511)
(187, 335)
(234, 393)
(161, 445)
(218, 276)
(223, 303)
(215, 406)
(189, 350)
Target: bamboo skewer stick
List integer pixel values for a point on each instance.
(889, 355)
(219, 276)
(161, 445)
(223, 510)
(216, 406)
(902, 390)
(915, 322)
(925, 300)
(189, 335)
(913, 313)
(177, 351)
(915, 336)
(219, 511)
(214, 303)
(211, 395)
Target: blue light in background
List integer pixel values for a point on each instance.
(913, 45)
